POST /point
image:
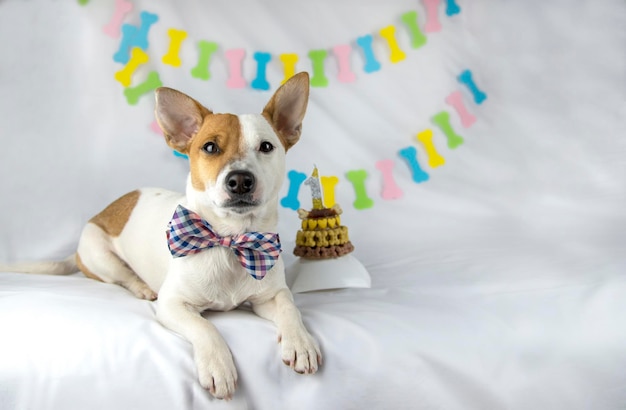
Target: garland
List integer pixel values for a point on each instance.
(134, 43)
(132, 53)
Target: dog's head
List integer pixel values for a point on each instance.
(237, 162)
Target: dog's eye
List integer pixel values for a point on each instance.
(266, 147)
(211, 148)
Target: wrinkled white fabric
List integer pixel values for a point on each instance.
(497, 284)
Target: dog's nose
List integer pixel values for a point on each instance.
(240, 182)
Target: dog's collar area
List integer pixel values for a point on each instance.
(188, 233)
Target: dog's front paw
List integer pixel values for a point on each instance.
(217, 373)
(300, 351)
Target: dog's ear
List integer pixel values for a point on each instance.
(179, 116)
(285, 110)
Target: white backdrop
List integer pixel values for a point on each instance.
(530, 204)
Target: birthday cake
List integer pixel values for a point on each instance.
(322, 236)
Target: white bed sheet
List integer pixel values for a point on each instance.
(73, 343)
(498, 284)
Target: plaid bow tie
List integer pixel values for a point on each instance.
(188, 233)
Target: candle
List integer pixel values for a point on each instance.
(316, 191)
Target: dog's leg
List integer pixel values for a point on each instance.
(216, 369)
(97, 261)
(109, 268)
(299, 350)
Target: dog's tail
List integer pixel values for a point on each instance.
(64, 267)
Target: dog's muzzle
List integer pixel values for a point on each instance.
(240, 186)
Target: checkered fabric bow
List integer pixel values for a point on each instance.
(188, 233)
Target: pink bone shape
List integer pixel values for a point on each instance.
(456, 101)
(390, 188)
(122, 7)
(235, 57)
(432, 16)
(342, 52)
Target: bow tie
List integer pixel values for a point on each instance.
(188, 233)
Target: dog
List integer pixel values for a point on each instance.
(237, 166)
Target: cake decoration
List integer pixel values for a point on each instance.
(325, 259)
(322, 236)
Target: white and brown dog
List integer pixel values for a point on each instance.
(237, 165)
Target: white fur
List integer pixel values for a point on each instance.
(269, 168)
(214, 279)
(63, 267)
(139, 258)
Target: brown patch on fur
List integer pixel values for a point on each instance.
(85, 270)
(225, 131)
(114, 217)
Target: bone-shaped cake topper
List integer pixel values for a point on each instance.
(391, 190)
(318, 79)
(260, 81)
(172, 56)
(389, 34)
(432, 16)
(137, 58)
(122, 7)
(289, 61)
(235, 57)
(342, 53)
(456, 101)
(151, 83)
(205, 51)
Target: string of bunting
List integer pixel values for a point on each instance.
(134, 44)
(390, 189)
(132, 53)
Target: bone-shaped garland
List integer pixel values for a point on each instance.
(410, 155)
(134, 42)
(136, 36)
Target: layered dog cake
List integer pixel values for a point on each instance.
(322, 236)
(323, 247)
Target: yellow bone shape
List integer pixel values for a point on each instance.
(137, 58)
(176, 40)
